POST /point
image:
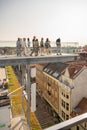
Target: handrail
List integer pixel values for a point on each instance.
(69, 123)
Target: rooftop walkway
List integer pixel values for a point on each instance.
(14, 60)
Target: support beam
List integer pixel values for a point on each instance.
(23, 82)
(28, 93)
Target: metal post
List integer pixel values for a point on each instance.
(28, 93)
(22, 86)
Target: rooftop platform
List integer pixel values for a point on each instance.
(14, 60)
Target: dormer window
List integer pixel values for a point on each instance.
(55, 74)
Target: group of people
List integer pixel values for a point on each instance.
(22, 47)
(42, 47)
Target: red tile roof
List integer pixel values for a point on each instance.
(74, 69)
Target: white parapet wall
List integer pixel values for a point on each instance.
(33, 97)
(33, 72)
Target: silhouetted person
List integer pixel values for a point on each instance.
(18, 47)
(47, 46)
(58, 44)
(42, 46)
(28, 43)
(35, 46)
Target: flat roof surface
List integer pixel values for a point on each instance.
(4, 117)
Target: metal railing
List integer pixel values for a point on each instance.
(70, 123)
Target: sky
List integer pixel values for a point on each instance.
(66, 19)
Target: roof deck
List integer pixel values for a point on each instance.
(14, 60)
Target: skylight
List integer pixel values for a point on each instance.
(51, 72)
(55, 74)
(45, 69)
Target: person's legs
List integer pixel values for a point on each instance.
(57, 50)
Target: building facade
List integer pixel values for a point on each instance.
(63, 86)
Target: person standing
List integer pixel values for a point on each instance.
(42, 46)
(24, 47)
(28, 43)
(47, 46)
(18, 47)
(36, 47)
(33, 43)
(58, 44)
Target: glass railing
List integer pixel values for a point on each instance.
(9, 48)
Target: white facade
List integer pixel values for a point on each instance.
(74, 89)
(33, 97)
(33, 72)
(80, 88)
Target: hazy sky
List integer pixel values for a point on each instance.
(66, 19)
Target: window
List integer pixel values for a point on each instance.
(51, 72)
(49, 93)
(63, 114)
(67, 117)
(67, 96)
(55, 74)
(67, 106)
(62, 93)
(49, 84)
(45, 69)
(63, 103)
